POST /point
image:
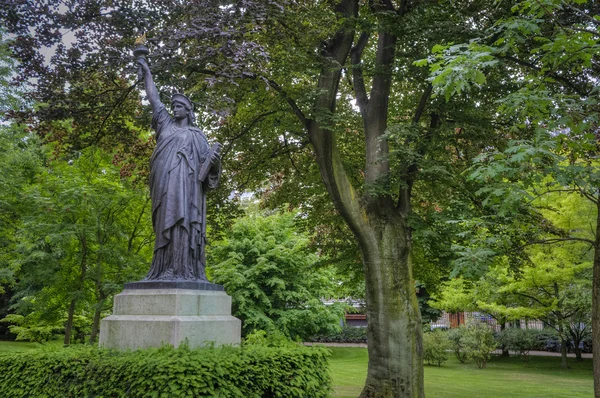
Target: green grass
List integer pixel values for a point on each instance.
(503, 377)
(17, 346)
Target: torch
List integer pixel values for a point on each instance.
(140, 51)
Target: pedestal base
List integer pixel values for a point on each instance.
(154, 317)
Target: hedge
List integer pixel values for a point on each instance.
(347, 334)
(250, 371)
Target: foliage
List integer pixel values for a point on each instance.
(251, 371)
(553, 286)
(435, 347)
(456, 337)
(273, 278)
(390, 153)
(82, 233)
(519, 340)
(551, 117)
(479, 342)
(39, 332)
(347, 334)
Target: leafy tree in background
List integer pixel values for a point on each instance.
(82, 234)
(273, 278)
(460, 294)
(551, 46)
(555, 286)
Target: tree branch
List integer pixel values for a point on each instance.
(362, 99)
(582, 14)
(422, 104)
(246, 129)
(297, 111)
(271, 83)
(531, 297)
(558, 240)
(560, 78)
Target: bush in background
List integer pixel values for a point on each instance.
(479, 343)
(521, 341)
(347, 334)
(456, 338)
(274, 278)
(435, 347)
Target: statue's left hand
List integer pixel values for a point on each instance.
(215, 159)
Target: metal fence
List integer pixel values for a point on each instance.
(453, 320)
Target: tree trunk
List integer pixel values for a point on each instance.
(596, 306)
(577, 351)
(563, 353)
(69, 325)
(505, 352)
(97, 315)
(96, 323)
(395, 337)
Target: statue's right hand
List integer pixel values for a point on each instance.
(144, 69)
(142, 62)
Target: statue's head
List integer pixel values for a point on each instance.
(187, 104)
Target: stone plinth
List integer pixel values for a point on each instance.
(154, 317)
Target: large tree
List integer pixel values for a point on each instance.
(330, 86)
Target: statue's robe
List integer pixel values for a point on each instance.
(179, 200)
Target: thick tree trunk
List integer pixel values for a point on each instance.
(596, 306)
(395, 337)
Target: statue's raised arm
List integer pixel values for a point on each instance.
(149, 86)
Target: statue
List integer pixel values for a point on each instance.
(183, 168)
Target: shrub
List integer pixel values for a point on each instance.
(252, 371)
(456, 337)
(346, 335)
(520, 341)
(479, 343)
(273, 278)
(435, 347)
(587, 344)
(39, 332)
(545, 336)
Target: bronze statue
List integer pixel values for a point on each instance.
(183, 168)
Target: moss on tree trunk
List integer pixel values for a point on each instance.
(395, 336)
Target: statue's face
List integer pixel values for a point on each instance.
(179, 111)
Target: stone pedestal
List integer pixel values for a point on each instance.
(151, 317)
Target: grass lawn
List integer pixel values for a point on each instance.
(503, 377)
(17, 346)
(21, 346)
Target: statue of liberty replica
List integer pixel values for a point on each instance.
(175, 302)
(182, 169)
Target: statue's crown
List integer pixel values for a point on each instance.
(183, 100)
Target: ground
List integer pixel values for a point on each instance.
(503, 377)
